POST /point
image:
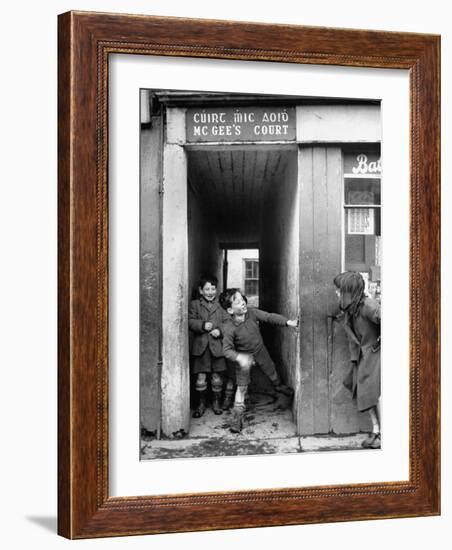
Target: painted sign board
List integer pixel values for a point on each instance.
(223, 124)
(362, 164)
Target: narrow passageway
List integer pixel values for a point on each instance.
(245, 198)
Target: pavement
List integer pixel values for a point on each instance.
(268, 429)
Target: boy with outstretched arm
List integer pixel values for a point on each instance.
(243, 344)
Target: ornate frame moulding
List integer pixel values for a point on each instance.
(85, 42)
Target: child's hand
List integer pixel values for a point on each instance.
(215, 333)
(292, 323)
(208, 326)
(245, 360)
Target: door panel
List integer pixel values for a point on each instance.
(320, 172)
(324, 405)
(150, 276)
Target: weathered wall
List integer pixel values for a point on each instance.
(175, 367)
(204, 253)
(150, 291)
(279, 270)
(338, 124)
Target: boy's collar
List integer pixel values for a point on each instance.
(203, 300)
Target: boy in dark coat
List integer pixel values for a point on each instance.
(362, 326)
(205, 319)
(243, 344)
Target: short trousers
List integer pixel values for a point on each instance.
(264, 361)
(208, 363)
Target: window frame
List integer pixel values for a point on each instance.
(347, 206)
(245, 278)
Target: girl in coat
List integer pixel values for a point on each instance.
(362, 325)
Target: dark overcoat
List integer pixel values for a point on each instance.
(363, 331)
(200, 313)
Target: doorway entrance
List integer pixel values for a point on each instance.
(242, 226)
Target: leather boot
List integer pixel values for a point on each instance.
(228, 398)
(216, 405)
(373, 441)
(236, 420)
(201, 408)
(216, 382)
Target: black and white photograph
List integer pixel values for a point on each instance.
(260, 274)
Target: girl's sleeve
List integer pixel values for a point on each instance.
(373, 311)
(195, 324)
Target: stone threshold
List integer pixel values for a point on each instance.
(241, 445)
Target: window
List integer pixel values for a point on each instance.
(251, 277)
(362, 216)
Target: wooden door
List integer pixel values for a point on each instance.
(324, 405)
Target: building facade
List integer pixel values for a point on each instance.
(297, 180)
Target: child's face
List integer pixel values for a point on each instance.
(208, 291)
(238, 305)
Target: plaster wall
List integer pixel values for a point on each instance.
(279, 271)
(204, 253)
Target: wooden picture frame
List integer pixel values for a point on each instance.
(86, 40)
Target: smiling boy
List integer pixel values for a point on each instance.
(205, 320)
(243, 344)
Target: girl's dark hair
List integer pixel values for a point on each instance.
(227, 295)
(207, 278)
(351, 286)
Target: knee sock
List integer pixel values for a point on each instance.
(374, 419)
(201, 381)
(240, 395)
(216, 383)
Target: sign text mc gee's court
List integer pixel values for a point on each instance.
(241, 124)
